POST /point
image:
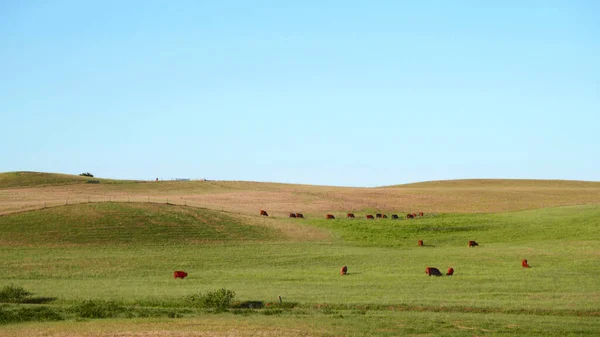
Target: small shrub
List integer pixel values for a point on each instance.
(87, 174)
(97, 309)
(14, 294)
(218, 300)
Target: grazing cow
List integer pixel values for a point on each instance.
(263, 213)
(370, 216)
(344, 270)
(329, 216)
(473, 244)
(350, 215)
(414, 215)
(179, 274)
(300, 215)
(421, 214)
(524, 264)
(420, 243)
(450, 271)
(384, 216)
(433, 271)
(292, 215)
(378, 215)
(394, 216)
(409, 216)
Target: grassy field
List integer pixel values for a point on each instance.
(126, 252)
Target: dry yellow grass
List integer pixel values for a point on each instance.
(492, 195)
(197, 327)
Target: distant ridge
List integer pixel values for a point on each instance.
(499, 183)
(33, 179)
(244, 197)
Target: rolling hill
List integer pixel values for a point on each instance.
(23, 191)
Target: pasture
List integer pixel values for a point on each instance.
(124, 253)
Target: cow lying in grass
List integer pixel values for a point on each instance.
(473, 244)
(450, 272)
(344, 270)
(524, 264)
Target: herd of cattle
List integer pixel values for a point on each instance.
(430, 271)
(351, 215)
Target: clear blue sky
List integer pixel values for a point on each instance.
(355, 93)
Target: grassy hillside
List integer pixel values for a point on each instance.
(502, 183)
(126, 224)
(30, 179)
(128, 252)
(462, 196)
(570, 223)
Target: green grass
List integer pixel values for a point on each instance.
(126, 254)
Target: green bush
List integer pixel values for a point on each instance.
(97, 309)
(14, 294)
(86, 174)
(218, 300)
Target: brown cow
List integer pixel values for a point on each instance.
(384, 216)
(450, 271)
(473, 244)
(420, 243)
(300, 215)
(350, 215)
(344, 270)
(329, 216)
(378, 215)
(370, 216)
(421, 214)
(410, 216)
(414, 215)
(524, 264)
(433, 271)
(292, 215)
(179, 274)
(263, 213)
(394, 216)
